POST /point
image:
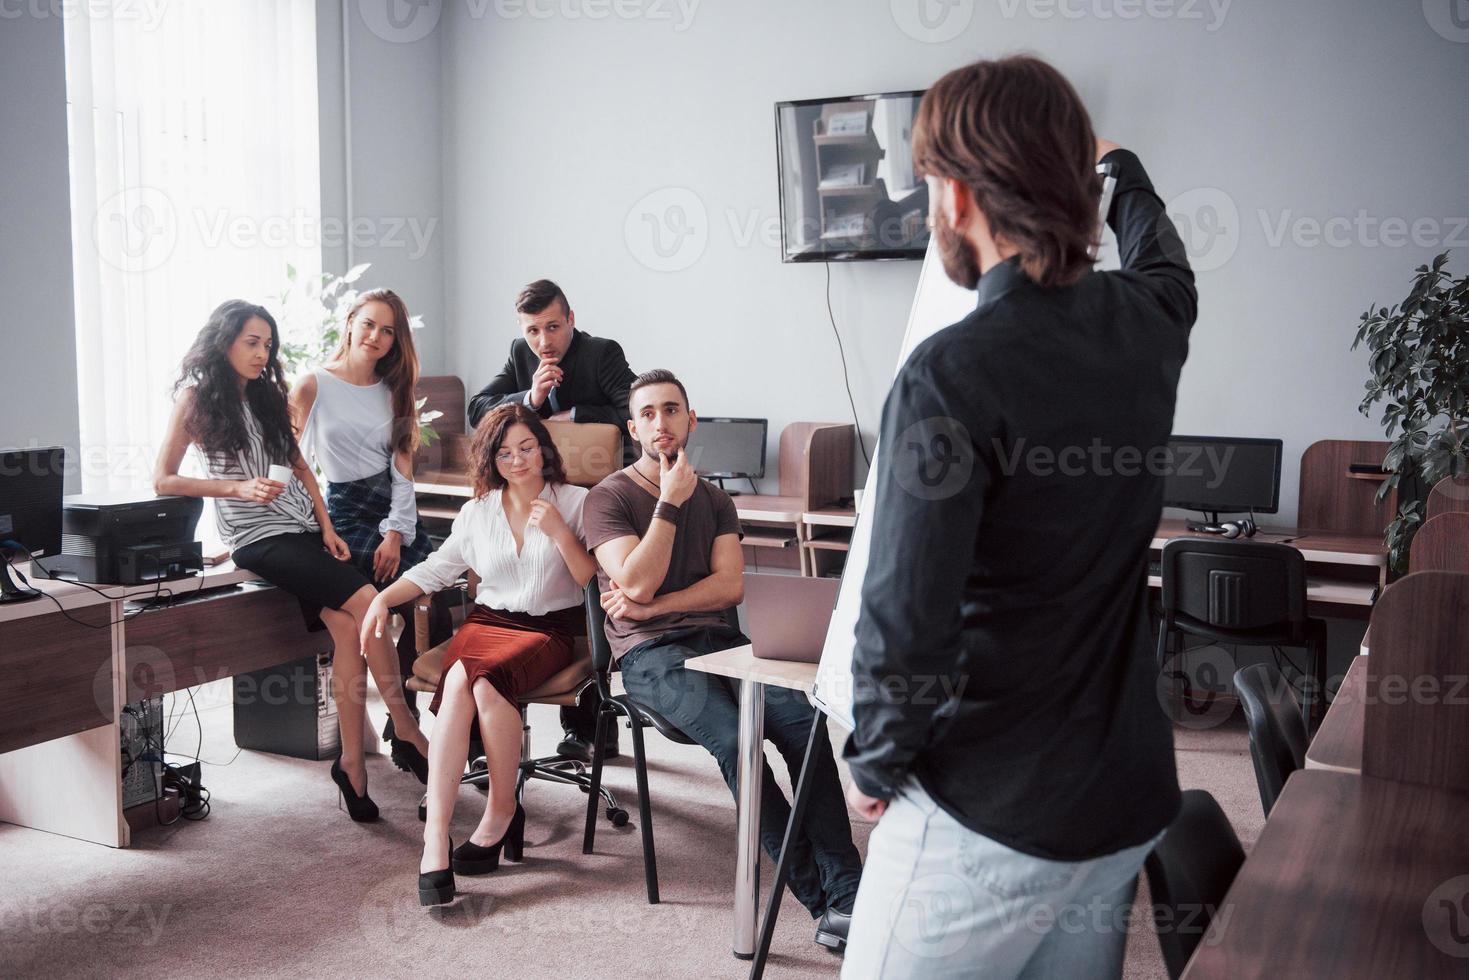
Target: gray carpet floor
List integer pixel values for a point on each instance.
(278, 882)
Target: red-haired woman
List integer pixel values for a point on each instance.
(522, 535)
(358, 422)
(232, 405)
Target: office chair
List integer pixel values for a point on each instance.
(638, 717)
(566, 687)
(1245, 592)
(1277, 735)
(1189, 874)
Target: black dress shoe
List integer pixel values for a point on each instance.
(831, 931)
(574, 746)
(436, 887)
(359, 807)
(470, 858)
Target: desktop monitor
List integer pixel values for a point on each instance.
(729, 449)
(32, 482)
(1220, 475)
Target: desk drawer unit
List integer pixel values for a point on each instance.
(58, 676)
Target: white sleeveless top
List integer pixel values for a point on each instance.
(243, 522)
(349, 434)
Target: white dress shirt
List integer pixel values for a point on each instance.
(535, 581)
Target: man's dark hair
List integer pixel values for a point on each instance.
(658, 376)
(1016, 134)
(540, 294)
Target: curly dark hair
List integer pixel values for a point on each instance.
(489, 436)
(216, 419)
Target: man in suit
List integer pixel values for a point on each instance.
(562, 374)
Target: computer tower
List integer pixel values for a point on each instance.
(142, 751)
(288, 709)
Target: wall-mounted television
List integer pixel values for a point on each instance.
(847, 187)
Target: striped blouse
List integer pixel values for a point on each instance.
(243, 522)
(535, 581)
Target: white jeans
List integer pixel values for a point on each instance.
(938, 900)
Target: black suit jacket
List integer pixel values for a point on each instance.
(594, 386)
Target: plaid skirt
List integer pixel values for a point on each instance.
(356, 510)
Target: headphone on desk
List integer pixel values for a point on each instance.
(1243, 528)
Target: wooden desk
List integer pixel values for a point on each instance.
(754, 675)
(1338, 742)
(61, 769)
(1345, 881)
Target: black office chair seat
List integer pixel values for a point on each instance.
(648, 716)
(1278, 737)
(1189, 873)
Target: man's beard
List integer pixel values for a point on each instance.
(961, 263)
(656, 455)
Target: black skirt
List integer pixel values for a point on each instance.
(301, 565)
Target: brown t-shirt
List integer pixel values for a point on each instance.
(619, 506)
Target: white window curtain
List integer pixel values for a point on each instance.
(194, 179)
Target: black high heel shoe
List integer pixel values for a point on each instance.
(470, 858)
(360, 808)
(437, 887)
(407, 756)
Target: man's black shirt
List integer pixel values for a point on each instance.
(1014, 507)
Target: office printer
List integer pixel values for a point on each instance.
(126, 539)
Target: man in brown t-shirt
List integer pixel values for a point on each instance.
(668, 544)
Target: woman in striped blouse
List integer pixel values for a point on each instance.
(521, 533)
(232, 405)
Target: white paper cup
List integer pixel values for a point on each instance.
(280, 474)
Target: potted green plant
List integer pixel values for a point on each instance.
(1418, 356)
(311, 311)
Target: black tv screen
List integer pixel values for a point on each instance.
(847, 186)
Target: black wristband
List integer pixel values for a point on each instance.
(666, 511)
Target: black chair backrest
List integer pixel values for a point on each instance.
(1234, 585)
(1278, 737)
(1189, 873)
(597, 636)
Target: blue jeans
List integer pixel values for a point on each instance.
(825, 865)
(939, 900)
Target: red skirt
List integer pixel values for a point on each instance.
(515, 652)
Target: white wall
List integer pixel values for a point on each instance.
(556, 128)
(37, 333)
(389, 82)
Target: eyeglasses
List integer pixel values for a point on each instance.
(506, 455)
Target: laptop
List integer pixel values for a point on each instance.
(788, 615)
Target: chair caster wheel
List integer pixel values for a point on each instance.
(617, 816)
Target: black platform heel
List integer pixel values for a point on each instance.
(470, 858)
(360, 808)
(437, 887)
(407, 757)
